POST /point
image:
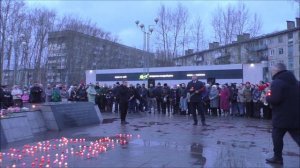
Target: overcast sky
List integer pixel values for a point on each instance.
(118, 17)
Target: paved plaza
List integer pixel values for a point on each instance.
(153, 140)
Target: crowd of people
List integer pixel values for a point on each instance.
(243, 99)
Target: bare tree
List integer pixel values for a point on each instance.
(172, 32)
(24, 37)
(163, 32)
(70, 22)
(43, 19)
(12, 14)
(15, 19)
(179, 20)
(217, 24)
(242, 18)
(5, 7)
(256, 23)
(245, 22)
(229, 22)
(234, 20)
(198, 34)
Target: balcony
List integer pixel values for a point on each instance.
(199, 58)
(257, 48)
(257, 59)
(223, 59)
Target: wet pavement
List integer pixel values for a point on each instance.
(153, 141)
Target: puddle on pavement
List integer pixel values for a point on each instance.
(258, 127)
(195, 149)
(155, 123)
(147, 124)
(237, 144)
(197, 153)
(139, 126)
(208, 129)
(109, 120)
(164, 144)
(291, 154)
(247, 134)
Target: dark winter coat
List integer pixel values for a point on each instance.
(158, 92)
(197, 86)
(6, 99)
(182, 92)
(123, 94)
(151, 92)
(36, 94)
(284, 100)
(1, 97)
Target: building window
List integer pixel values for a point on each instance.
(261, 42)
(280, 40)
(270, 41)
(280, 51)
(290, 66)
(272, 52)
(290, 35)
(290, 50)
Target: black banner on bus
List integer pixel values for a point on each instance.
(173, 75)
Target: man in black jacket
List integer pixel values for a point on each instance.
(115, 92)
(165, 99)
(158, 96)
(1, 97)
(36, 93)
(123, 97)
(195, 88)
(284, 99)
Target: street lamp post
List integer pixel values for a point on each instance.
(22, 36)
(146, 45)
(25, 68)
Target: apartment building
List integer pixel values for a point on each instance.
(269, 49)
(71, 53)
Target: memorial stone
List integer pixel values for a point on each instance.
(71, 114)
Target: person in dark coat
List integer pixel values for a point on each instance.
(115, 93)
(284, 99)
(97, 97)
(143, 92)
(81, 93)
(1, 97)
(175, 98)
(6, 99)
(123, 97)
(165, 99)
(183, 99)
(133, 101)
(36, 94)
(151, 98)
(158, 96)
(195, 88)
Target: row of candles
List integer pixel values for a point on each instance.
(39, 154)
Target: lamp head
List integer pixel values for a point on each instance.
(142, 26)
(151, 30)
(137, 22)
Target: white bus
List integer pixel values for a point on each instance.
(230, 73)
